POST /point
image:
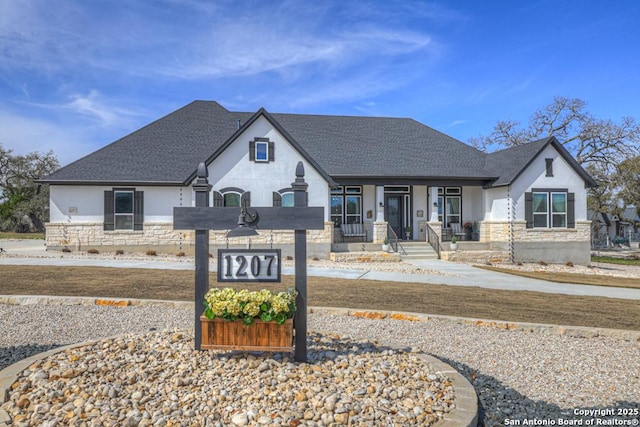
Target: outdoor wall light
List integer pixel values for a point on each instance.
(246, 223)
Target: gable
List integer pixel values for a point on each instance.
(234, 167)
(512, 162)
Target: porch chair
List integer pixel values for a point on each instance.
(456, 230)
(353, 230)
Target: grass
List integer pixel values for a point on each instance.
(581, 279)
(12, 235)
(616, 260)
(523, 306)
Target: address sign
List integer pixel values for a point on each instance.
(249, 265)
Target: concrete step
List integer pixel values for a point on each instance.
(418, 251)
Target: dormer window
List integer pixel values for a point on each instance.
(261, 150)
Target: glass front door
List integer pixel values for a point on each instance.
(393, 212)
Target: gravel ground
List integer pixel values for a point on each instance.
(518, 375)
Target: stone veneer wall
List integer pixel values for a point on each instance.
(379, 232)
(530, 245)
(499, 232)
(162, 237)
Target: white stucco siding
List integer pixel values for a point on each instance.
(472, 204)
(495, 204)
(160, 201)
(234, 169)
(85, 204)
(564, 177)
(369, 202)
(73, 203)
(419, 204)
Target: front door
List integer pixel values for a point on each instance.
(393, 212)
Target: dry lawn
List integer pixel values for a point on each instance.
(563, 277)
(475, 302)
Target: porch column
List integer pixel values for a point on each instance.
(379, 203)
(433, 200)
(435, 225)
(379, 226)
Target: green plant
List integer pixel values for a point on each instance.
(454, 239)
(265, 305)
(386, 240)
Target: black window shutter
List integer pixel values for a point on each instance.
(277, 200)
(571, 210)
(252, 151)
(218, 200)
(272, 151)
(549, 165)
(138, 210)
(245, 199)
(109, 219)
(528, 209)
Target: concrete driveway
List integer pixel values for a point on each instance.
(33, 252)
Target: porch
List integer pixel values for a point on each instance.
(435, 215)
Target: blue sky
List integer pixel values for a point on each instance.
(76, 75)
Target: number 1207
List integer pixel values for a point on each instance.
(249, 265)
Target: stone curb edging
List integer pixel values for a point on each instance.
(542, 328)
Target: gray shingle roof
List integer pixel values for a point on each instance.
(511, 162)
(168, 151)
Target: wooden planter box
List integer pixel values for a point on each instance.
(220, 334)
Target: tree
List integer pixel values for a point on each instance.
(599, 145)
(23, 202)
(627, 179)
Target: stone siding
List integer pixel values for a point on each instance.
(163, 237)
(364, 257)
(498, 231)
(379, 232)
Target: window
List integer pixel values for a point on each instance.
(231, 197)
(453, 209)
(287, 200)
(123, 209)
(449, 200)
(354, 210)
(346, 205)
(540, 210)
(283, 198)
(559, 210)
(550, 209)
(261, 150)
(231, 200)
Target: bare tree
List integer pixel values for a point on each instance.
(599, 145)
(627, 179)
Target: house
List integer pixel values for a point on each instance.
(395, 176)
(616, 229)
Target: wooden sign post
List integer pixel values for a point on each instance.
(299, 218)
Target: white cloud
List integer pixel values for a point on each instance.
(103, 111)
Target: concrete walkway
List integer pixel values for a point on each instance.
(456, 274)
